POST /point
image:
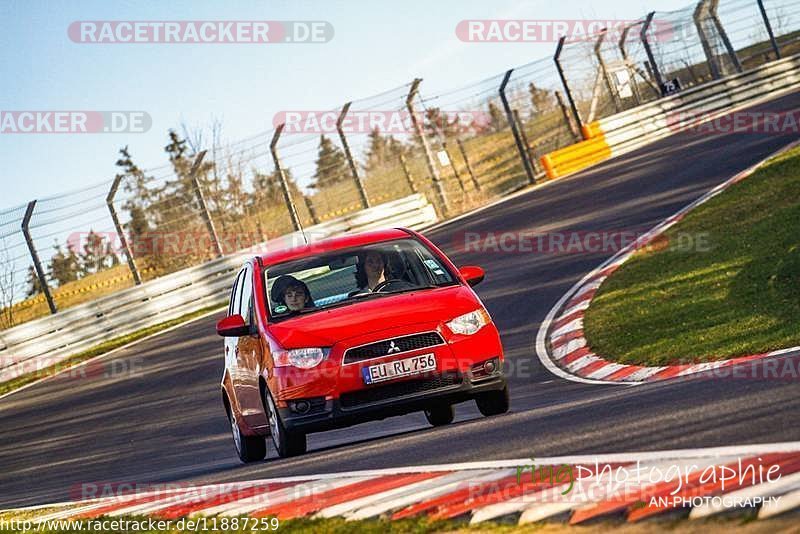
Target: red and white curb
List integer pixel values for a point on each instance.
(562, 347)
(635, 486)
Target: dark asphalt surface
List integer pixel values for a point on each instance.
(163, 420)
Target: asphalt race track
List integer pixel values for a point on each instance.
(163, 420)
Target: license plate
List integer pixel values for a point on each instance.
(395, 369)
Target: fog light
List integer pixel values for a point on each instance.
(302, 406)
(307, 406)
(484, 369)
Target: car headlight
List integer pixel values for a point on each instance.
(302, 358)
(469, 323)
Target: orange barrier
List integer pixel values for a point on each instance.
(593, 129)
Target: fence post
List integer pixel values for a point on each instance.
(651, 60)
(137, 278)
(201, 199)
(567, 117)
(724, 35)
(362, 193)
(407, 172)
(287, 196)
(312, 211)
(699, 13)
(768, 24)
(631, 72)
(606, 78)
(469, 167)
(523, 154)
(37, 265)
(437, 181)
(560, 69)
(531, 152)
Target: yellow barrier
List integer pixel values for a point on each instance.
(578, 156)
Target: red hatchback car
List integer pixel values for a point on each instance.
(354, 329)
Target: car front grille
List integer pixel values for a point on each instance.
(394, 390)
(401, 344)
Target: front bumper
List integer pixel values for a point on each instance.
(346, 411)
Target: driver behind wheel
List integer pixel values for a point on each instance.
(372, 269)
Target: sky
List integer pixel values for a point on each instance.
(377, 45)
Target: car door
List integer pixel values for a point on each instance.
(247, 352)
(233, 308)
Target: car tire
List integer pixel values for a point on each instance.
(248, 448)
(440, 415)
(493, 402)
(286, 443)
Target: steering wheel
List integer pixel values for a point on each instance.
(399, 282)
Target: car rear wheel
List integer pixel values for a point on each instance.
(440, 415)
(286, 443)
(493, 402)
(249, 448)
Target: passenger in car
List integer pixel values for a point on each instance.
(292, 293)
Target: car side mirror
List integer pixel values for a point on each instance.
(232, 326)
(472, 274)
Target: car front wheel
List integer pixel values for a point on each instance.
(440, 415)
(249, 448)
(286, 443)
(493, 402)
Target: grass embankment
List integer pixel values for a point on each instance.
(739, 294)
(97, 350)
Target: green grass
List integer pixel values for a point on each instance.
(741, 296)
(99, 349)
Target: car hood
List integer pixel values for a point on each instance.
(327, 327)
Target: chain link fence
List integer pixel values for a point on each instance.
(460, 148)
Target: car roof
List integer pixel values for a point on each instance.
(333, 244)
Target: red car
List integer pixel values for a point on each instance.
(354, 329)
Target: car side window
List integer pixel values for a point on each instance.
(247, 295)
(233, 292)
(236, 295)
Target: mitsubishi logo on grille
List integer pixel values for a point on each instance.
(392, 348)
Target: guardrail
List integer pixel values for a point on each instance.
(629, 130)
(48, 341)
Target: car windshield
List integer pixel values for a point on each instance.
(346, 276)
